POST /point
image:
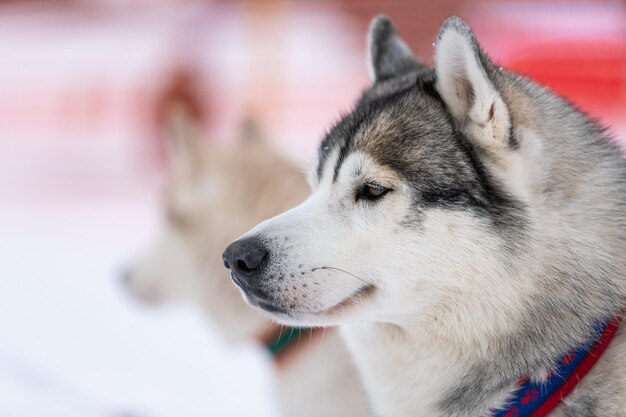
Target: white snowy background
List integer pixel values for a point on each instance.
(72, 343)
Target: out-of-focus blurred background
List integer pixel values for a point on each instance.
(83, 88)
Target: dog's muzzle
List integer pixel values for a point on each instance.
(246, 258)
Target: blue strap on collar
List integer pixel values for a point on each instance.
(538, 399)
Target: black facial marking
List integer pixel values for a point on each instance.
(343, 151)
(490, 195)
(513, 142)
(341, 136)
(404, 125)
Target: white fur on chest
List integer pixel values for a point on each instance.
(402, 379)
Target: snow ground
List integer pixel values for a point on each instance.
(72, 343)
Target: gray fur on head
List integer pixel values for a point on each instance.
(389, 56)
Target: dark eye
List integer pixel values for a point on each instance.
(371, 192)
(176, 217)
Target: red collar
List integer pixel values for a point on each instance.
(538, 399)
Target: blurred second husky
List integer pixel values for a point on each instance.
(214, 193)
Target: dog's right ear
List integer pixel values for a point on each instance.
(250, 129)
(467, 88)
(389, 56)
(182, 139)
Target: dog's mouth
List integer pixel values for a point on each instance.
(266, 305)
(257, 297)
(361, 294)
(272, 306)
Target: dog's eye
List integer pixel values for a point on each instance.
(371, 192)
(176, 218)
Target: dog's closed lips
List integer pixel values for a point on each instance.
(257, 296)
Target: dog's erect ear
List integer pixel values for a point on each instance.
(389, 56)
(250, 129)
(464, 82)
(183, 142)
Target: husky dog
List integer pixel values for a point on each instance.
(213, 194)
(466, 228)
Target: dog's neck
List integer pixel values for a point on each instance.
(461, 357)
(409, 372)
(400, 371)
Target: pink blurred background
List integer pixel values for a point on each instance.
(83, 85)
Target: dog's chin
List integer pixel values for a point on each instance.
(300, 316)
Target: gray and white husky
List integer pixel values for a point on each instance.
(466, 227)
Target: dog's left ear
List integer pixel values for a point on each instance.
(389, 56)
(183, 143)
(464, 81)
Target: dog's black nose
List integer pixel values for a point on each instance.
(244, 258)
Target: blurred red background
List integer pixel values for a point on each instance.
(83, 83)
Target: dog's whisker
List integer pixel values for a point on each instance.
(332, 268)
(280, 333)
(308, 348)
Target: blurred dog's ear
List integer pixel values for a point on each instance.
(389, 56)
(466, 84)
(182, 137)
(250, 129)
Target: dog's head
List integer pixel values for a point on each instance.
(213, 193)
(411, 196)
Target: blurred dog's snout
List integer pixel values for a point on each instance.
(245, 258)
(124, 276)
